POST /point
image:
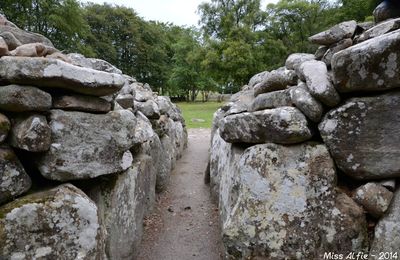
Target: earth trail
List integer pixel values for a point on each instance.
(184, 225)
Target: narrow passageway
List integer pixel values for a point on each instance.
(185, 223)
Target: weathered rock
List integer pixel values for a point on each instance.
(273, 99)
(149, 109)
(335, 34)
(169, 162)
(4, 21)
(33, 50)
(287, 206)
(5, 126)
(294, 60)
(25, 37)
(142, 94)
(160, 126)
(61, 223)
(284, 125)
(379, 30)
(387, 231)
(17, 98)
(389, 184)
(122, 200)
(353, 70)
(318, 82)
(306, 103)
(13, 179)
(54, 73)
(374, 198)
(258, 78)
(91, 63)
(88, 145)
(320, 52)
(386, 10)
(82, 103)
(362, 136)
(11, 41)
(165, 105)
(276, 80)
(125, 100)
(334, 48)
(3, 47)
(31, 133)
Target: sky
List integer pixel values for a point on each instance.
(179, 12)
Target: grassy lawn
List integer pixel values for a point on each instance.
(197, 112)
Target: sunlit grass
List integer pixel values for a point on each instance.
(197, 112)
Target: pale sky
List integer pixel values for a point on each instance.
(179, 12)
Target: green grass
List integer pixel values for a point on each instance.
(199, 110)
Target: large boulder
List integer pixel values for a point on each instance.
(24, 37)
(280, 98)
(122, 200)
(149, 108)
(306, 103)
(318, 82)
(335, 48)
(379, 29)
(288, 207)
(284, 125)
(386, 10)
(335, 34)
(362, 136)
(61, 223)
(88, 145)
(387, 231)
(91, 63)
(13, 179)
(55, 73)
(5, 126)
(353, 70)
(15, 98)
(276, 80)
(294, 60)
(31, 133)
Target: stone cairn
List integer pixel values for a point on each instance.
(83, 150)
(304, 160)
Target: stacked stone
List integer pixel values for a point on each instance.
(79, 156)
(281, 144)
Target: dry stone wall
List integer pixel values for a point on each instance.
(305, 159)
(83, 150)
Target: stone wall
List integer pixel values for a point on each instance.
(83, 150)
(305, 159)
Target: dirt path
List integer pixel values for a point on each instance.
(185, 225)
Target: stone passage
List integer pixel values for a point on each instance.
(185, 224)
(83, 151)
(305, 159)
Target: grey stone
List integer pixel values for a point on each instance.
(318, 82)
(82, 103)
(125, 100)
(142, 94)
(288, 208)
(3, 47)
(33, 50)
(294, 60)
(149, 109)
(334, 48)
(31, 133)
(88, 145)
(122, 200)
(5, 126)
(387, 231)
(353, 70)
(25, 37)
(15, 98)
(306, 103)
(362, 136)
(169, 163)
(273, 99)
(258, 78)
(379, 29)
(374, 198)
(389, 184)
(285, 125)
(61, 223)
(13, 179)
(53, 73)
(92, 63)
(143, 130)
(276, 80)
(335, 34)
(165, 105)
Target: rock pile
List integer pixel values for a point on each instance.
(83, 149)
(304, 160)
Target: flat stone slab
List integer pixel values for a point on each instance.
(52, 73)
(15, 98)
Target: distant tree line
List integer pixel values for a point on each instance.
(236, 39)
